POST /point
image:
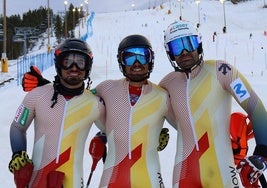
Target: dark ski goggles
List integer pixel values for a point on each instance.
(188, 43)
(140, 54)
(71, 59)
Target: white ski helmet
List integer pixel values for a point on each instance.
(176, 30)
(179, 29)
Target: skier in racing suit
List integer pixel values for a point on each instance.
(201, 93)
(63, 114)
(135, 112)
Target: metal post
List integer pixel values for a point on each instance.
(198, 8)
(87, 8)
(180, 9)
(73, 18)
(25, 44)
(82, 14)
(4, 59)
(224, 27)
(79, 10)
(66, 30)
(48, 27)
(224, 14)
(198, 13)
(4, 25)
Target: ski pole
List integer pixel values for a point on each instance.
(95, 161)
(89, 179)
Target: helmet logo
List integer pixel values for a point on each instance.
(57, 52)
(178, 27)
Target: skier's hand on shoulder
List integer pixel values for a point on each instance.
(33, 79)
(250, 169)
(22, 167)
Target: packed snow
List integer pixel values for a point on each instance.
(244, 45)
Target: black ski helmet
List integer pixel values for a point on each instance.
(134, 41)
(77, 46)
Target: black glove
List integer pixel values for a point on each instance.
(163, 139)
(33, 79)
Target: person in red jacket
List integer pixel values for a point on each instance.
(63, 113)
(201, 95)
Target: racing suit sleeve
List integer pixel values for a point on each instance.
(22, 120)
(247, 98)
(18, 139)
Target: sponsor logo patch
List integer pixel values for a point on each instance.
(22, 115)
(240, 90)
(234, 178)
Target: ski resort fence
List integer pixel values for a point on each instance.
(46, 60)
(43, 61)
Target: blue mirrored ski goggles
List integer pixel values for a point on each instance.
(130, 55)
(188, 43)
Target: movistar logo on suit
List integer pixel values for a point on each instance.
(240, 90)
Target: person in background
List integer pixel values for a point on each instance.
(214, 36)
(201, 95)
(63, 113)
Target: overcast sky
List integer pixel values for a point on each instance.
(20, 7)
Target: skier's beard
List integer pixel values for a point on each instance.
(137, 77)
(72, 80)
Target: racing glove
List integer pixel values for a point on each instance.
(22, 167)
(33, 79)
(97, 148)
(163, 139)
(250, 169)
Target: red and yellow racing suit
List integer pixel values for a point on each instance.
(133, 134)
(201, 101)
(60, 133)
